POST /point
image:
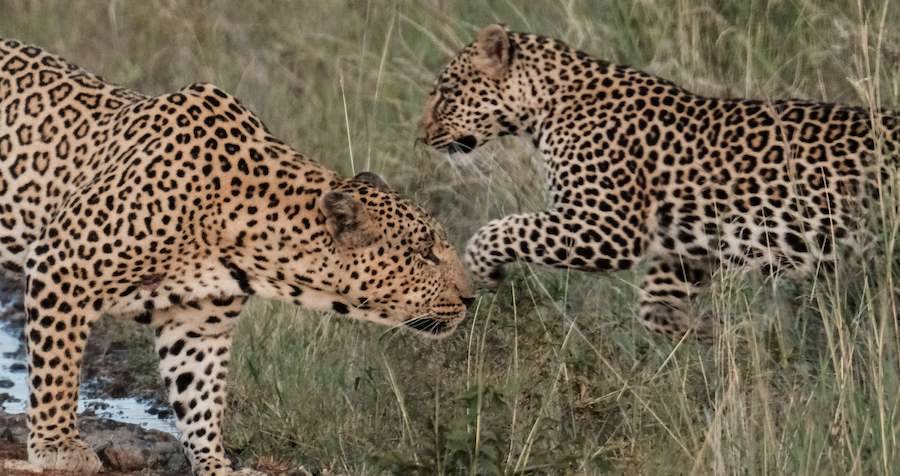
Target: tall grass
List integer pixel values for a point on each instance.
(551, 374)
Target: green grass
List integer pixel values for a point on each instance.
(552, 374)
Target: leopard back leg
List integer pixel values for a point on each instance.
(667, 289)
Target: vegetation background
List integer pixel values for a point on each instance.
(552, 374)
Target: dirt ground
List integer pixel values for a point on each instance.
(119, 362)
(124, 449)
(12, 456)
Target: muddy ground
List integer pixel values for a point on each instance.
(125, 449)
(119, 362)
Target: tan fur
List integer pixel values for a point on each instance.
(493, 48)
(171, 210)
(642, 171)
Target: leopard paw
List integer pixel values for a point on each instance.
(70, 455)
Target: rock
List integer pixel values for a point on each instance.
(19, 465)
(5, 397)
(13, 428)
(121, 446)
(121, 458)
(163, 412)
(97, 405)
(6, 383)
(12, 315)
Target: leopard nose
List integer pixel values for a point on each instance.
(468, 301)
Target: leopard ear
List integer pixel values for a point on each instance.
(493, 51)
(372, 179)
(347, 219)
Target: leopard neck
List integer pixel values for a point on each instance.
(270, 231)
(579, 85)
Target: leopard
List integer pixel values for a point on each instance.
(173, 210)
(643, 173)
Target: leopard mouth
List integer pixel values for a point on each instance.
(431, 326)
(462, 145)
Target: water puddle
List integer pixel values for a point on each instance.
(14, 392)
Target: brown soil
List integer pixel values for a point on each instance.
(119, 362)
(124, 449)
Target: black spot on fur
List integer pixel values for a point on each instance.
(183, 380)
(238, 275)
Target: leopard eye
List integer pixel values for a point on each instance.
(430, 256)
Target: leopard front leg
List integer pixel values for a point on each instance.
(665, 299)
(56, 330)
(193, 342)
(553, 238)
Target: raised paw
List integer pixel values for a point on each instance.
(494, 278)
(70, 455)
(484, 276)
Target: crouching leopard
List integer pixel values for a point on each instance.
(172, 210)
(641, 170)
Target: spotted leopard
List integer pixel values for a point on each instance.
(172, 210)
(642, 170)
